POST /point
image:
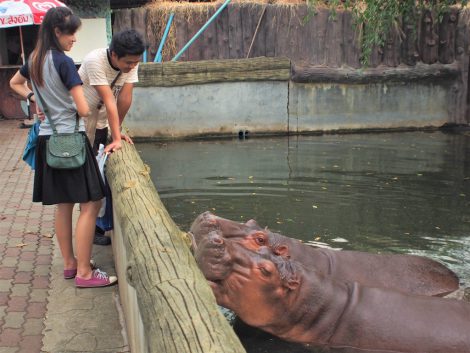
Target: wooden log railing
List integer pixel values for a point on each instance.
(171, 74)
(419, 72)
(177, 306)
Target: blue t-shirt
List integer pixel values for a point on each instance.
(59, 78)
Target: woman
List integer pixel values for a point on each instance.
(53, 75)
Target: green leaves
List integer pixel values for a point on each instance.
(376, 18)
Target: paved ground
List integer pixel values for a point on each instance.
(39, 310)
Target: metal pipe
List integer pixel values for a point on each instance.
(200, 31)
(158, 57)
(256, 31)
(22, 46)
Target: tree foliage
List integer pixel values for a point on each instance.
(375, 18)
(89, 8)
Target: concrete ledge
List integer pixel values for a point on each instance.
(85, 320)
(130, 305)
(255, 96)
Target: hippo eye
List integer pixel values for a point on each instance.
(265, 272)
(260, 241)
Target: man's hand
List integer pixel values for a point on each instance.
(127, 139)
(113, 146)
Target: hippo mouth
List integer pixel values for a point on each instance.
(216, 285)
(227, 289)
(221, 260)
(213, 258)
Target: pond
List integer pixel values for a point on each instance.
(405, 192)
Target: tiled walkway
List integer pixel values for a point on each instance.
(25, 248)
(39, 310)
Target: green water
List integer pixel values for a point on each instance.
(391, 192)
(397, 192)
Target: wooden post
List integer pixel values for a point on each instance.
(178, 308)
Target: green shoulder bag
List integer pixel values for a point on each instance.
(66, 150)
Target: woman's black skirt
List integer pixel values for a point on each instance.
(54, 186)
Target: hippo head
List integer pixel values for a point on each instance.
(257, 286)
(207, 222)
(248, 234)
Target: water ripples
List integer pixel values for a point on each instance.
(399, 193)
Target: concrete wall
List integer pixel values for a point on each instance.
(280, 107)
(326, 107)
(134, 326)
(209, 109)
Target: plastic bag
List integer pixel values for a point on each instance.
(106, 222)
(29, 154)
(101, 158)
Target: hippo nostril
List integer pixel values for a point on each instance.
(218, 240)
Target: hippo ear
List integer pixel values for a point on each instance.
(252, 223)
(292, 283)
(189, 237)
(282, 250)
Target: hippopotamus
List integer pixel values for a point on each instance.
(407, 273)
(280, 296)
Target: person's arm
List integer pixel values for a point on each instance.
(80, 101)
(106, 95)
(18, 83)
(71, 79)
(124, 101)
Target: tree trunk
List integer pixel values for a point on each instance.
(178, 308)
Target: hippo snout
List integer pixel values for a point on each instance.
(216, 238)
(213, 258)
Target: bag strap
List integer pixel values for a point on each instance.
(46, 111)
(100, 103)
(115, 79)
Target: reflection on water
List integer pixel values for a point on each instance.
(396, 192)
